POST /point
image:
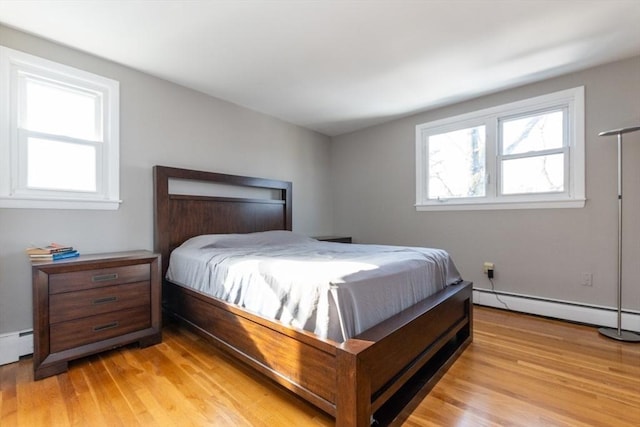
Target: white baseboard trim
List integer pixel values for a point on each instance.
(565, 310)
(15, 345)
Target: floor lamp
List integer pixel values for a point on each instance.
(618, 333)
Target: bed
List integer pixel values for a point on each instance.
(349, 380)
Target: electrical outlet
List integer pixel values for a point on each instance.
(488, 266)
(587, 279)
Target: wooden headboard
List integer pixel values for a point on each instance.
(178, 217)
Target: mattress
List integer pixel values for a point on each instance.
(334, 290)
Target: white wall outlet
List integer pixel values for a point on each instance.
(587, 279)
(488, 266)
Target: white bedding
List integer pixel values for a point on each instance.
(334, 290)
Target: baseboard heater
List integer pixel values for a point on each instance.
(14, 345)
(558, 309)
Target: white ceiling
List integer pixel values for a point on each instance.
(337, 66)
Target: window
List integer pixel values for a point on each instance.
(59, 136)
(527, 154)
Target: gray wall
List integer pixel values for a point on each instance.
(537, 252)
(160, 123)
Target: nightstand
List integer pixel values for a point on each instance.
(336, 239)
(93, 303)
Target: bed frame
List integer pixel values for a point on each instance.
(349, 380)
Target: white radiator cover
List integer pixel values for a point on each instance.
(564, 310)
(15, 345)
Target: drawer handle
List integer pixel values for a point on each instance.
(104, 277)
(105, 300)
(105, 327)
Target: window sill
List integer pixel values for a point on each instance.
(77, 204)
(483, 206)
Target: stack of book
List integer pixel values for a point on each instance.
(52, 252)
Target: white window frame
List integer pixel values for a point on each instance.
(573, 196)
(13, 190)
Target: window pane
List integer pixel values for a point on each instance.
(60, 110)
(542, 174)
(457, 164)
(56, 165)
(533, 133)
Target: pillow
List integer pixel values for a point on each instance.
(258, 239)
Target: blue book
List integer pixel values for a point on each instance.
(63, 255)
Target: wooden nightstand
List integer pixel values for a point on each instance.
(93, 303)
(337, 239)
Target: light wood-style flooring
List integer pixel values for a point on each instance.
(519, 371)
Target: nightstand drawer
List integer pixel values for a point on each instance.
(81, 280)
(75, 305)
(83, 331)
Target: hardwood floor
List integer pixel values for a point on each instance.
(519, 371)
(528, 371)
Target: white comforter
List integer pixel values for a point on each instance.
(335, 290)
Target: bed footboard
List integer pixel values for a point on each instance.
(349, 380)
(377, 363)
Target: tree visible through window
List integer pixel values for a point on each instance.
(533, 154)
(457, 164)
(528, 151)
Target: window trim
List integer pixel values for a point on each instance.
(14, 63)
(572, 197)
